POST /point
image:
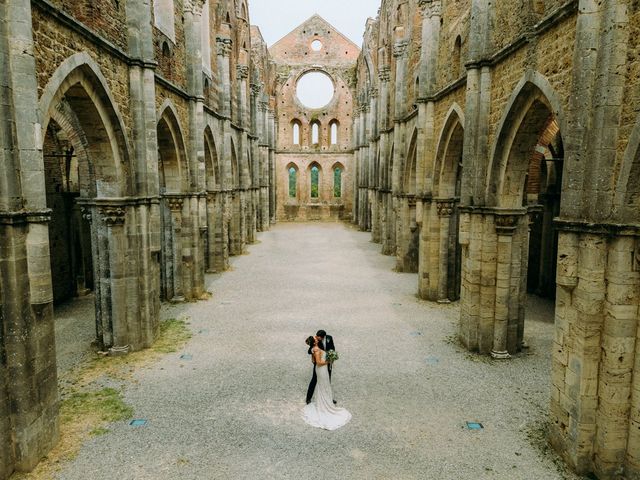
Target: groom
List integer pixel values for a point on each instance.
(325, 342)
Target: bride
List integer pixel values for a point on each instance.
(321, 412)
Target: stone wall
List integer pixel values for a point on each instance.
(295, 57)
(519, 120)
(87, 194)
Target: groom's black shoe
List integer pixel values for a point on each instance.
(308, 402)
(335, 403)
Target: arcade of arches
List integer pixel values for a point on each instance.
(493, 148)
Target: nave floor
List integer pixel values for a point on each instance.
(233, 410)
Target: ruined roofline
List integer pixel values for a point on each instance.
(315, 15)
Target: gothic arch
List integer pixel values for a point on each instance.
(212, 165)
(172, 157)
(410, 170)
(448, 150)
(528, 111)
(627, 196)
(78, 86)
(235, 168)
(292, 184)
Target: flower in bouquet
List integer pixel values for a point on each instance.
(332, 356)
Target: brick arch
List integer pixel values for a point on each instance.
(627, 197)
(527, 114)
(410, 171)
(449, 150)
(78, 97)
(172, 156)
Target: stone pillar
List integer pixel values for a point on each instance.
(505, 228)
(445, 208)
(176, 205)
(224, 45)
(112, 278)
(242, 73)
(28, 379)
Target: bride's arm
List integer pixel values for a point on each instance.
(317, 356)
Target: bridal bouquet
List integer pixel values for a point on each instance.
(332, 356)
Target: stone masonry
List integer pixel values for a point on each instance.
(497, 148)
(294, 56)
(491, 147)
(136, 143)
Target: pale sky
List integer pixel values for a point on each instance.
(276, 18)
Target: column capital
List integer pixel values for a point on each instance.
(506, 223)
(384, 74)
(400, 48)
(194, 6)
(256, 88)
(112, 215)
(175, 203)
(445, 206)
(242, 71)
(224, 46)
(430, 8)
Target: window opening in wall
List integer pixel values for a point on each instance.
(315, 134)
(315, 180)
(296, 133)
(166, 51)
(293, 182)
(334, 133)
(315, 89)
(337, 182)
(316, 45)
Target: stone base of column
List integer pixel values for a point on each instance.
(178, 299)
(119, 351)
(500, 355)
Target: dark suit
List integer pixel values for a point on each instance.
(328, 345)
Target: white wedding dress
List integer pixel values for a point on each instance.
(321, 412)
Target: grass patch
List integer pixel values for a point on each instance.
(88, 407)
(172, 336)
(105, 404)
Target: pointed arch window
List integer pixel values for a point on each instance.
(315, 182)
(296, 132)
(333, 126)
(293, 182)
(315, 133)
(337, 182)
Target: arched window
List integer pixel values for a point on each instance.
(334, 132)
(244, 11)
(315, 182)
(206, 38)
(164, 15)
(296, 132)
(337, 182)
(293, 182)
(315, 133)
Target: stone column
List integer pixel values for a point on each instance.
(242, 73)
(445, 208)
(224, 46)
(176, 205)
(112, 241)
(505, 228)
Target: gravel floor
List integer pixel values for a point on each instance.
(233, 410)
(75, 331)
